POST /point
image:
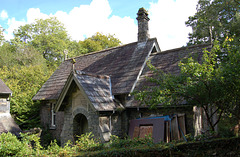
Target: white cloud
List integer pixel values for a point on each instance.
(167, 22)
(35, 13)
(32, 14)
(86, 20)
(13, 24)
(4, 15)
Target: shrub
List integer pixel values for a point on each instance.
(117, 142)
(9, 144)
(88, 142)
(46, 138)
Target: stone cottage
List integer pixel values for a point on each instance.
(92, 92)
(7, 123)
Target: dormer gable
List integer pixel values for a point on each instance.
(94, 89)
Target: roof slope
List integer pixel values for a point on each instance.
(4, 88)
(98, 90)
(122, 64)
(168, 61)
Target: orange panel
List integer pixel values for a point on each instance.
(136, 132)
(145, 131)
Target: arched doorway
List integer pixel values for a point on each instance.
(80, 125)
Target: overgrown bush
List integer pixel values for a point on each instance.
(87, 145)
(88, 142)
(117, 142)
(10, 145)
(46, 138)
(226, 126)
(55, 150)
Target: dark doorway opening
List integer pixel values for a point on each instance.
(80, 125)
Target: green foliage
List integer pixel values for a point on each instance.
(32, 141)
(7, 55)
(29, 146)
(88, 142)
(24, 81)
(226, 125)
(29, 59)
(24, 70)
(1, 35)
(230, 74)
(99, 42)
(117, 142)
(214, 20)
(49, 37)
(212, 84)
(75, 49)
(46, 137)
(9, 144)
(95, 43)
(21, 55)
(219, 20)
(54, 148)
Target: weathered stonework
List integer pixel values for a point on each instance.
(116, 125)
(4, 105)
(45, 117)
(78, 104)
(143, 34)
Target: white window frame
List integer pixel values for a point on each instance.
(53, 116)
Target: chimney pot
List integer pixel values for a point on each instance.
(143, 19)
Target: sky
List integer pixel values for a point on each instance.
(83, 18)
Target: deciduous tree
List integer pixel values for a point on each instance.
(47, 36)
(1, 35)
(214, 20)
(29, 59)
(212, 84)
(99, 42)
(24, 70)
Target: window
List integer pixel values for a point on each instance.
(53, 116)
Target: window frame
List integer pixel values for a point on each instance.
(53, 116)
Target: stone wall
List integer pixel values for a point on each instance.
(4, 105)
(45, 116)
(78, 104)
(116, 122)
(75, 105)
(143, 19)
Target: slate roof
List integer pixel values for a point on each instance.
(4, 88)
(98, 90)
(123, 64)
(168, 61)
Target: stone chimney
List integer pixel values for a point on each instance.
(143, 19)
